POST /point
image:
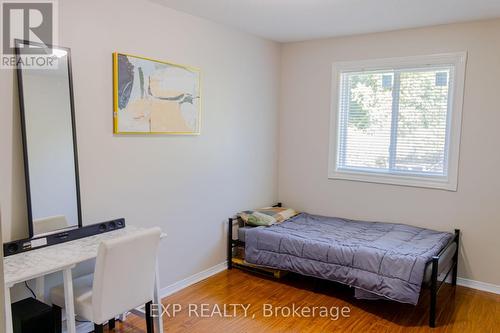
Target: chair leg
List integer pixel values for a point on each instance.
(149, 319)
(98, 328)
(57, 315)
(111, 324)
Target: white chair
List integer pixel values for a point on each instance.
(123, 280)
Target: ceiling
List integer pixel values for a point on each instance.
(297, 20)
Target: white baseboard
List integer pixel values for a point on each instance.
(179, 285)
(484, 286)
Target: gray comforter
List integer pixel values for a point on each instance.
(385, 259)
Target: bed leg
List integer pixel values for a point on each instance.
(455, 259)
(434, 276)
(230, 244)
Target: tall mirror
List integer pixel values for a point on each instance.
(49, 138)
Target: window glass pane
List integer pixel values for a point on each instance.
(395, 121)
(367, 104)
(422, 121)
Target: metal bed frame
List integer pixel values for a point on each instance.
(434, 285)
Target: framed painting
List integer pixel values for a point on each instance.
(155, 97)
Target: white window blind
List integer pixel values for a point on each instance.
(396, 123)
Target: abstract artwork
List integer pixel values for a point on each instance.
(155, 97)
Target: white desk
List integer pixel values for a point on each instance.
(63, 257)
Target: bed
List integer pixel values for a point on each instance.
(380, 260)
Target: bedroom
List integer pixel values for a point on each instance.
(266, 136)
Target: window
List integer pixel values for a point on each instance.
(397, 121)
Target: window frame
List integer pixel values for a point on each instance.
(450, 182)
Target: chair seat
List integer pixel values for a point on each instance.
(82, 293)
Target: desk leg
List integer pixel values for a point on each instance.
(157, 298)
(40, 288)
(69, 301)
(8, 311)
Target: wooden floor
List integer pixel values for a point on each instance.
(460, 309)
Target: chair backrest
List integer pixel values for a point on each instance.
(124, 274)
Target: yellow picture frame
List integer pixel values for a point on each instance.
(132, 114)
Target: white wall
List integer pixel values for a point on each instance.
(187, 185)
(303, 142)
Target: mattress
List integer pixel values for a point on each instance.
(242, 232)
(387, 259)
(445, 260)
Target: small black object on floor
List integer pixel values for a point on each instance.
(30, 315)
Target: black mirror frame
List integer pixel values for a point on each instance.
(23, 129)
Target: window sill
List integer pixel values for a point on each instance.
(392, 179)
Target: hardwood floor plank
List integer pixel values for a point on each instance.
(460, 309)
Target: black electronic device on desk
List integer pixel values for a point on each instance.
(28, 244)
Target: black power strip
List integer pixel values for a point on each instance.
(28, 244)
